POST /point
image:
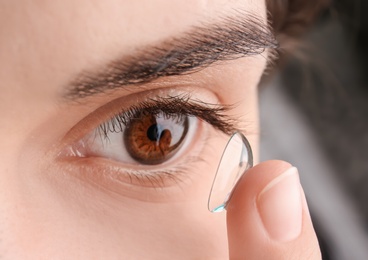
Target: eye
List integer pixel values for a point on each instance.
(151, 139)
(143, 137)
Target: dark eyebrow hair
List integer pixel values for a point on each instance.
(232, 37)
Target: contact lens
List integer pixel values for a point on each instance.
(236, 159)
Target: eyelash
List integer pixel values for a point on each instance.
(172, 107)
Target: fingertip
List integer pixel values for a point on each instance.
(268, 210)
(245, 227)
(279, 206)
(254, 180)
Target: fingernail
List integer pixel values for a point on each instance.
(280, 206)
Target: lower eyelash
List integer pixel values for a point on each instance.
(174, 174)
(157, 179)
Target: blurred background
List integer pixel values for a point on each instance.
(314, 114)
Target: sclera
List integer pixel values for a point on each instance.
(236, 159)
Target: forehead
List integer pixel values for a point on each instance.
(86, 26)
(44, 42)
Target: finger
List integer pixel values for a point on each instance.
(268, 217)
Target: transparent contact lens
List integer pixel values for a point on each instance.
(236, 159)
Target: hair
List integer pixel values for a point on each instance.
(328, 86)
(290, 19)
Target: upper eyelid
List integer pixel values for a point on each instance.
(190, 92)
(214, 114)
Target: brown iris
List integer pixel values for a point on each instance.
(152, 139)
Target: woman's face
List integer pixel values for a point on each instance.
(114, 115)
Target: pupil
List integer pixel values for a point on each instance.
(154, 133)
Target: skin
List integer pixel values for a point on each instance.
(54, 208)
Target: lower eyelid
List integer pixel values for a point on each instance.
(113, 177)
(115, 181)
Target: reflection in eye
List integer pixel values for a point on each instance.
(152, 139)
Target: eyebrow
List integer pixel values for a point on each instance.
(231, 38)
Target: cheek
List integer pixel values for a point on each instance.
(48, 220)
(49, 216)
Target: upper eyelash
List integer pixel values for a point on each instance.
(178, 106)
